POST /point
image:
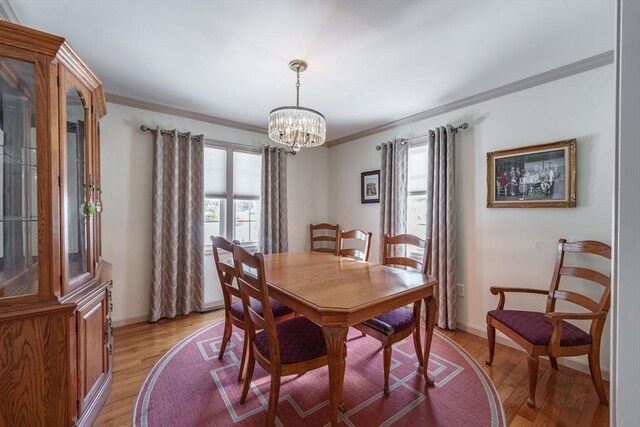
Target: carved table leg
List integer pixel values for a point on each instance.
(334, 337)
(430, 304)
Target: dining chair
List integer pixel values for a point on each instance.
(395, 325)
(362, 255)
(328, 233)
(288, 348)
(234, 311)
(547, 333)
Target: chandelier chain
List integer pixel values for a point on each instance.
(298, 87)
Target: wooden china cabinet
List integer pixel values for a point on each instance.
(55, 289)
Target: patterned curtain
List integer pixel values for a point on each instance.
(393, 190)
(177, 283)
(441, 221)
(274, 237)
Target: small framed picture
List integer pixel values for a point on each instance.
(370, 187)
(538, 176)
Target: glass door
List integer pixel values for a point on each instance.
(79, 204)
(18, 180)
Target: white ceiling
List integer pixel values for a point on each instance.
(370, 62)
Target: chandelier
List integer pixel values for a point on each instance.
(297, 127)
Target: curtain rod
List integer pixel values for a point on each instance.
(146, 128)
(464, 125)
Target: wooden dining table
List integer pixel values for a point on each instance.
(338, 292)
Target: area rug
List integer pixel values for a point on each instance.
(190, 387)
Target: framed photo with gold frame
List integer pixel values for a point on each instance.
(537, 176)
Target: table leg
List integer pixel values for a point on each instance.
(430, 304)
(334, 337)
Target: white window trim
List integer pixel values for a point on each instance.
(418, 143)
(226, 214)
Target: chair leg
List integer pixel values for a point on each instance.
(387, 368)
(491, 339)
(226, 337)
(246, 349)
(596, 375)
(251, 363)
(533, 363)
(274, 394)
(554, 362)
(362, 334)
(417, 344)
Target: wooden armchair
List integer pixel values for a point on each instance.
(395, 325)
(316, 245)
(287, 348)
(548, 334)
(233, 311)
(363, 254)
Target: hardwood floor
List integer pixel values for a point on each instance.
(563, 397)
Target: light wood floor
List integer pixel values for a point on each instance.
(564, 398)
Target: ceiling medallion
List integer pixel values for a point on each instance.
(297, 127)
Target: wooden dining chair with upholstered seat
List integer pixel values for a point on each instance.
(288, 348)
(234, 311)
(547, 333)
(356, 253)
(395, 325)
(328, 234)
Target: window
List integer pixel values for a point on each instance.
(232, 194)
(417, 191)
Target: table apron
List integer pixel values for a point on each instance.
(328, 317)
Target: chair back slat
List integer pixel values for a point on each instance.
(363, 254)
(324, 226)
(325, 250)
(353, 253)
(576, 298)
(404, 261)
(586, 274)
(226, 272)
(389, 243)
(324, 239)
(588, 247)
(314, 240)
(582, 247)
(251, 278)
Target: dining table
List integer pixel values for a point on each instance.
(339, 292)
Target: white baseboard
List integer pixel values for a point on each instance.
(129, 321)
(214, 305)
(569, 362)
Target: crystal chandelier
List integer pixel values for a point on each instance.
(297, 127)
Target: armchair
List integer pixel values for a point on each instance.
(548, 333)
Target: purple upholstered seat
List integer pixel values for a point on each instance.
(299, 339)
(392, 321)
(531, 326)
(277, 308)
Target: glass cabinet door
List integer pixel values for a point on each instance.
(18, 180)
(77, 206)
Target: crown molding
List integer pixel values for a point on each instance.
(577, 67)
(7, 13)
(568, 70)
(158, 108)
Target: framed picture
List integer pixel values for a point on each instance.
(370, 187)
(538, 176)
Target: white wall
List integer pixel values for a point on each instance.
(126, 156)
(505, 246)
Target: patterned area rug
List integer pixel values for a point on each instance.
(190, 387)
